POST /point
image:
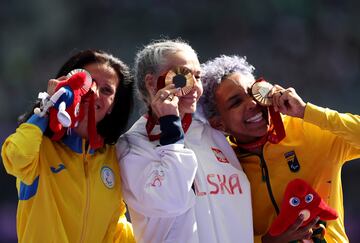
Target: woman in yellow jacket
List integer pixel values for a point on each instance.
(68, 190)
(318, 142)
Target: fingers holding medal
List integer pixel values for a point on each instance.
(166, 94)
(278, 96)
(286, 101)
(165, 102)
(267, 94)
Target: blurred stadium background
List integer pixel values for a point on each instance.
(313, 46)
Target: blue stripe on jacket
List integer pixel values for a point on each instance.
(28, 191)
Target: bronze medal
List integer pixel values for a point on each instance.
(260, 90)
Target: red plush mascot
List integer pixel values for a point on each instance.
(64, 106)
(300, 198)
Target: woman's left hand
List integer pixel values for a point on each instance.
(287, 101)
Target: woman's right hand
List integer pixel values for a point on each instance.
(52, 83)
(294, 232)
(165, 101)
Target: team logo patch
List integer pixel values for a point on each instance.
(107, 177)
(219, 155)
(292, 160)
(59, 168)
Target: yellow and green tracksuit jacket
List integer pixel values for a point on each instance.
(66, 193)
(315, 150)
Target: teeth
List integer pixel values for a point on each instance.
(258, 117)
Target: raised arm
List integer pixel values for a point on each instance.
(343, 125)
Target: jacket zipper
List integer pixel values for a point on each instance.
(266, 178)
(87, 204)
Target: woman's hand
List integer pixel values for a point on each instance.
(287, 101)
(52, 84)
(165, 101)
(294, 232)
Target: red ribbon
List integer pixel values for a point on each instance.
(95, 140)
(276, 130)
(151, 122)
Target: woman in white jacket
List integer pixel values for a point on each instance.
(181, 180)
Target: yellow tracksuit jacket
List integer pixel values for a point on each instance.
(315, 150)
(66, 193)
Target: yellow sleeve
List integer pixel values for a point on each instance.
(257, 238)
(344, 126)
(20, 152)
(124, 232)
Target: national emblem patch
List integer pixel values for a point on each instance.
(292, 160)
(219, 155)
(107, 177)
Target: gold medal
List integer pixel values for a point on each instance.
(260, 91)
(182, 78)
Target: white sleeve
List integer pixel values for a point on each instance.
(158, 182)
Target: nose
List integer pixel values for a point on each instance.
(251, 103)
(197, 86)
(95, 89)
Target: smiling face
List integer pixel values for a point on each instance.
(240, 115)
(107, 82)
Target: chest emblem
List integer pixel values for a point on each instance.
(292, 161)
(157, 176)
(107, 177)
(219, 155)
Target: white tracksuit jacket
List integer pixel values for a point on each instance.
(191, 191)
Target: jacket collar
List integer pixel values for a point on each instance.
(77, 143)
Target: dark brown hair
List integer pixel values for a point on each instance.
(113, 124)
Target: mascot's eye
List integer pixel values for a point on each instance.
(309, 197)
(294, 201)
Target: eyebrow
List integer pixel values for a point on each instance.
(234, 97)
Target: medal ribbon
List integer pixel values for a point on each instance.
(151, 122)
(277, 131)
(95, 140)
